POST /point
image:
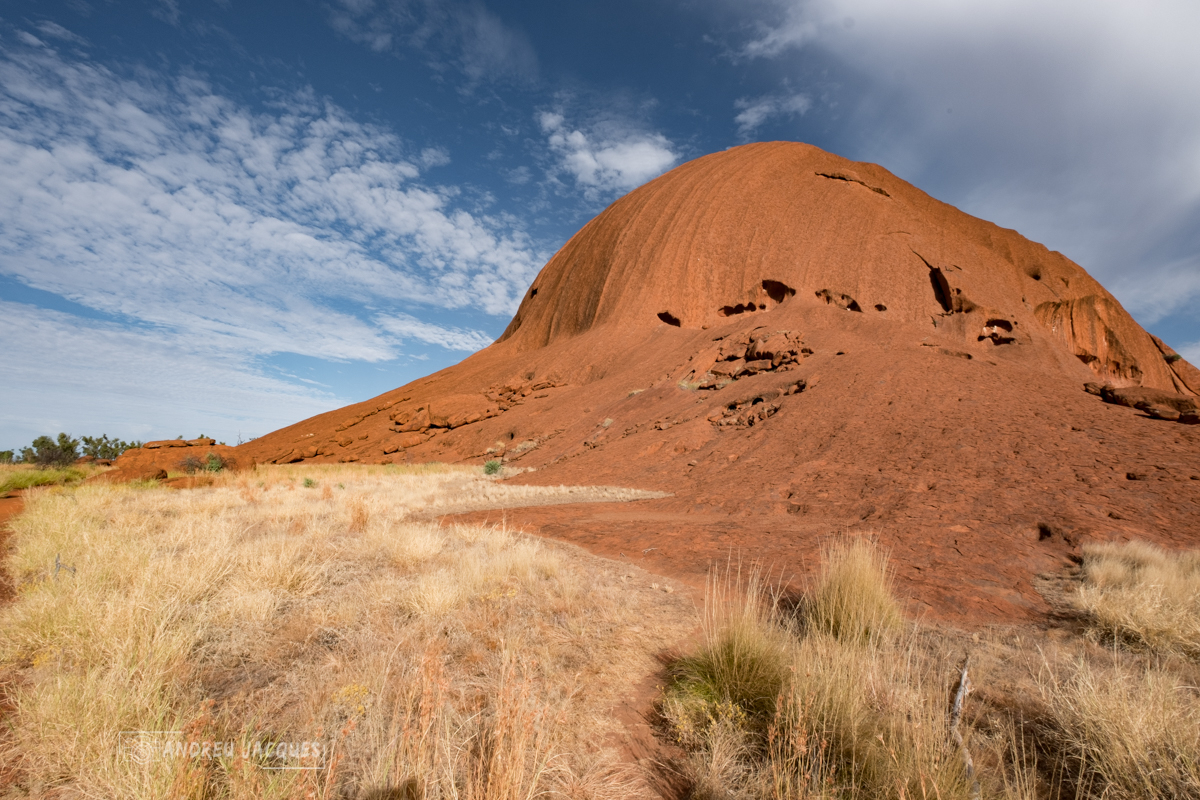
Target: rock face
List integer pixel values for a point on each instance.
(155, 459)
(797, 345)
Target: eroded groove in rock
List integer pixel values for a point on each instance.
(941, 288)
(998, 331)
(1083, 326)
(850, 178)
(740, 308)
(778, 291)
(1186, 377)
(843, 301)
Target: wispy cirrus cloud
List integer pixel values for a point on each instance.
(164, 202)
(754, 111)
(53, 30)
(461, 35)
(205, 238)
(611, 156)
(451, 338)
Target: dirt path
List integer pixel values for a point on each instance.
(10, 505)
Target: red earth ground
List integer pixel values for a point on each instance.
(798, 346)
(11, 505)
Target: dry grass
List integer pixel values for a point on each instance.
(865, 721)
(1144, 596)
(823, 705)
(1126, 732)
(302, 603)
(852, 597)
(432, 490)
(862, 701)
(458, 661)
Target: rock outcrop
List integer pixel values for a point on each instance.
(154, 460)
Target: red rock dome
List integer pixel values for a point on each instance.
(746, 230)
(796, 345)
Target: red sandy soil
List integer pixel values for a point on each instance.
(799, 346)
(10, 505)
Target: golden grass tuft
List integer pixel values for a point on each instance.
(1144, 596)
(869, 718)
(852, 597)
(860, 714)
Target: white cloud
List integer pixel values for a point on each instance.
(795, 31)
(612, 156)
(753, 112)
(408, 327)
(56, 31)
(1191, 352)
(1074, 121)
(215, 238)
(64, 373)
(490, 47)
(167, 11)
(172, 205)
(1173, 286)
(434, 157)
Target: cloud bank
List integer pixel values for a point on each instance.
(1065, 120)
(84, 376)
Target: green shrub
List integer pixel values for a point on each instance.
(6, 456)
(492, 466)
(47, 452)
(214, 463)
(191, 465)
(309, 483)
(739, 673)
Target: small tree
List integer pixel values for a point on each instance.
(6, 456)
(47, 452)
(103, 447)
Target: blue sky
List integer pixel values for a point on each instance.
(221, 217)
